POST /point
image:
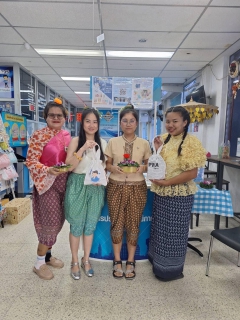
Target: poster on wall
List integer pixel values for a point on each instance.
(122, 91)
(7, 106)
(6, 83)
(101, 91)
(16, 128)
(109, 124)
(107, 92)
(142, 91)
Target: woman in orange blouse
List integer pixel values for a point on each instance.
(47, 148)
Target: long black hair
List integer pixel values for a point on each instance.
(128, 109)
(82, 135)
(185, 115)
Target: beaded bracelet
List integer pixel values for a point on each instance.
(75, 154)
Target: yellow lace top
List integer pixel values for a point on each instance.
(193, 155)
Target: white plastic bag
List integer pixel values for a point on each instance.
(95, 172)
(156, 165)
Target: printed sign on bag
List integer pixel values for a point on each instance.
(95, 172)
(156, 164)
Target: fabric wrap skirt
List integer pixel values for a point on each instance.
(83, 205)
(169, 234)
(48, 211)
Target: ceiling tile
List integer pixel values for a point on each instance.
(210, 40)
(144, 64)
(219, 20)
(49, 78)
(3, 22)
(67, 62)
(177, 74)
(225, 3)
(149, 18)
(41, 70)
(196, 54)
(155, 40)
(25, 62)
(47, 15)
(133, 73)
(185, 65)
(164, 2)
(9, 50)
(10, 36)
(79, 72)
(60, 37)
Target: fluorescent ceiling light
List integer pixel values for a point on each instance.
(29, 91)
(139, 54)
(100, 53)
(82, 92)
(76, 78)
(67, 52)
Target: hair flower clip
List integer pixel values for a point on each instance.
(58, 100)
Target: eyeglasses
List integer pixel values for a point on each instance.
(131, 122)
(53, 116)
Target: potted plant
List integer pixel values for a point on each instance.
(128, 166)
(62, 167)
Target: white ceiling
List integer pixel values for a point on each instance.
(197, 31)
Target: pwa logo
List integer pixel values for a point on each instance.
(153, 165)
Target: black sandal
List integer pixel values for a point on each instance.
(115, 270)
(131, 270)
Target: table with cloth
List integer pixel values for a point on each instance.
(213, 201)
(206, 201)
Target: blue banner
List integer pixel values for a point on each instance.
(109, 124)
(102, 243)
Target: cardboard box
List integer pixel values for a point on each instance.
(17, 209)
(4, 201)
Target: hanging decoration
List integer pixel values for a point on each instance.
(199, 111)
(234, 69)
(235, 88)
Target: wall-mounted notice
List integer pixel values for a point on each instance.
(122, 91)
(101, 91)
(142, 91)
(118, 92)
(6, 82)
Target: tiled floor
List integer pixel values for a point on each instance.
(24, 296)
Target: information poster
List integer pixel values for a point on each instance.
(101, 91)
(122, 91)
(142, 91)
(118, 92)
(6, 83)
(16, 128)
(7, 106)
(109, 124)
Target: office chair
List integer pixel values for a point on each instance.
(230, 237)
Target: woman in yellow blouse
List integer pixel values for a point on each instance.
(173, 199)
